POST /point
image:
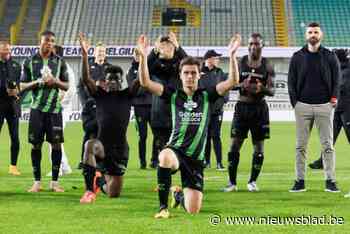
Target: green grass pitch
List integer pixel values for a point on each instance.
(46, 212)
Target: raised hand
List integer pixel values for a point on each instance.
(173, 39)
(234, 44)
(142, 46)
(84, 44)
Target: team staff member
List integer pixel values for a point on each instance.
(251, 112)
(45, 74)
(163, 63)
(142, 103)
(189, 109)
(10, 73)
(313, 86)
(342, 111)
(211, 75)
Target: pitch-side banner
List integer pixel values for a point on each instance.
(127, 51)
(279, 105)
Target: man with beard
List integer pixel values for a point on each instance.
(313, 78)
(251, 112)
(45, 74)
(342, 111)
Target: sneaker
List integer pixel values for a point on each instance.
(54, 187)
(175, 192)
(220, 167)
(162, 214)
(252, 187)
(318, 164)
(88, 197)
(230, 188)
(14, 171)
(299, 186)
(36, 187)
(331, 187)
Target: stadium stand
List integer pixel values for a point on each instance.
(10, 9)
(332, 15)
(120, 22)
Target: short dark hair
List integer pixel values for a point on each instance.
(190, 61)
(47, 33)
(314, 25)
(256, 35)
(114, 69)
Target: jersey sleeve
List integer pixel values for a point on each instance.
(26, 74)
(168, 91)
(213, 93)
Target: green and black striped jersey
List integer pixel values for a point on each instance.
(44, 98)
(190, 119)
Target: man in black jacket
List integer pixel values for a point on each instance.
(342, 111)
(142, 103)
(10, 73)
(211, 75)
(163, 64)
(313, 89)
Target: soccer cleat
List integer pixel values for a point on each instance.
(36, 187)
(54, 187)
(207, 165)
(299, 186)
(175, 192)
(331, 187)
(252, 187)
(88, 197)
(14, 171)
(97, 188)
(162, 214)
(220, 167)
(230, 188)
(347, 195)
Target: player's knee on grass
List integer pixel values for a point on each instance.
(114, 186)
(167, 159)
(193, 200)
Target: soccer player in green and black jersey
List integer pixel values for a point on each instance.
(189, 109)
(45, 74)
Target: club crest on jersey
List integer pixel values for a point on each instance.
(190, 105)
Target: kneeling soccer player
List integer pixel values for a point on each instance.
(189, 108)
(110, 149)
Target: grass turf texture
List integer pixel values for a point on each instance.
(47, 212)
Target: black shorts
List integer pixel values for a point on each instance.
(191, 171)
(253, 117)
(43, 124)
(113, 138)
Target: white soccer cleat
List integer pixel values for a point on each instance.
(252, 187)
(230, 188)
